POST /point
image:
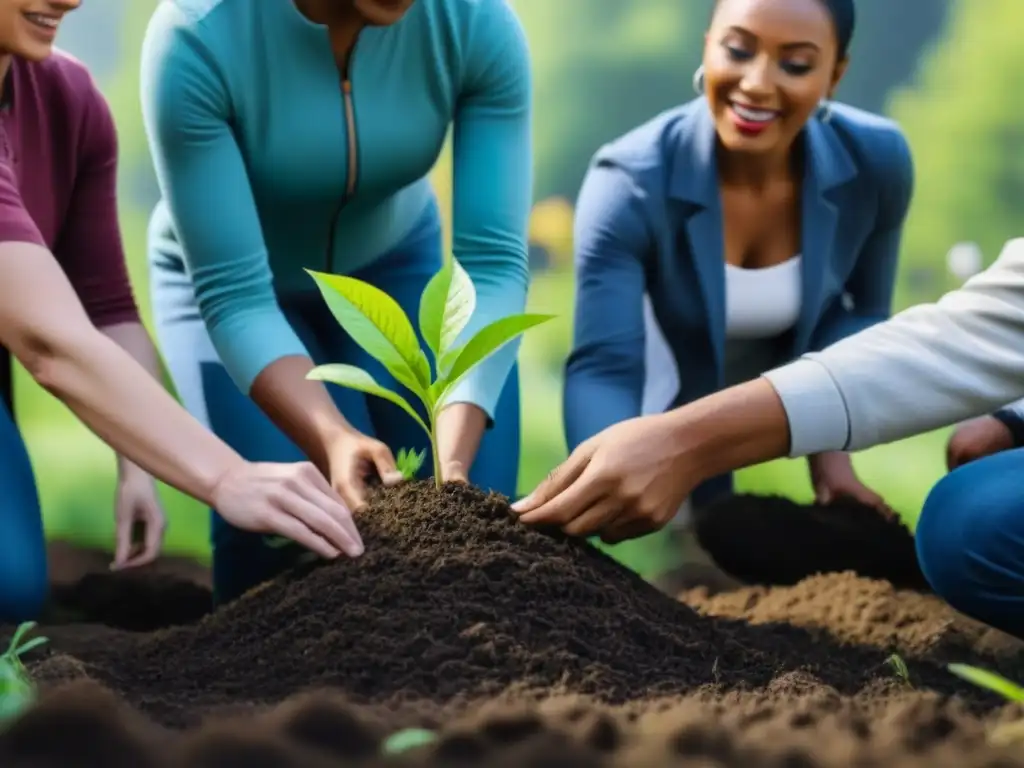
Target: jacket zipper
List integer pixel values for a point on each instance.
(353, 162)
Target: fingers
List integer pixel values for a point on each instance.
(153, 539)
(384, 462)
(324, 524)
(594, 519)
(556, 483)
(123, 540)
(318, 492)
(570, 501)
(454, 472)
(284, 524)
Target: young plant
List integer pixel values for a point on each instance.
(377, 323)
(16, 690)
(899, 667)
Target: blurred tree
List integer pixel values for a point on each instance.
(964, 125)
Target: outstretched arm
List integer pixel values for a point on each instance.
(493, 188)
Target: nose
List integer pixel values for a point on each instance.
(757, 79)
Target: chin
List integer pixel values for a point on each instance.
(383, 13)
(33, 51)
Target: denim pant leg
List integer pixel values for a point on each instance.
(970, 540)
(23, 568)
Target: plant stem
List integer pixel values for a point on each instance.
(437, 459)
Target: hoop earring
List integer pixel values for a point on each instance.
(698, 80)
(825, 110)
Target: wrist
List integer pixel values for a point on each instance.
(1014, 424)
(460, 427)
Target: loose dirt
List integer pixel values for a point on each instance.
(524, 648)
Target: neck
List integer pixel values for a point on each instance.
(5, 67)
(342, 20)
(758, 170)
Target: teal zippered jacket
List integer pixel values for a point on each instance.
(269, 160)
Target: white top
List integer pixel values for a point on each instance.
(761, 303)
(927, 367)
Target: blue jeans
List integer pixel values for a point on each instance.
(23, 568)
(970, 540)
(242, 560)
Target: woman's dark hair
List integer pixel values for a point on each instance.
(844, 19)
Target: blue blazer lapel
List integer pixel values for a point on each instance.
(695, 181)
(828, 166)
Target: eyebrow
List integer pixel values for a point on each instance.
(785, 46)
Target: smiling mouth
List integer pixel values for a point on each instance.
(49, 23)
(752, 114)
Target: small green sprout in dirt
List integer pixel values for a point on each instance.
(1005, 733)
(378, 324)
(990, 680)
(404, 740)
(17, 692)
(899, 668)
(409, 462)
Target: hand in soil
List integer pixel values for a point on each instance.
(624, 482)
(291, 500)
(354, 460)
(977, 439)
(833, 478)
(139, 519)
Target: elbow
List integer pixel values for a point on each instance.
(51, 359)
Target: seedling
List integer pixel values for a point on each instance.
(16, 690)
(405, 740)
(899, 668)
(378, 324)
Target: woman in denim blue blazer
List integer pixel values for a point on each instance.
(736, 232)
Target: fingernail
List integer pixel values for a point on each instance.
(522, 505)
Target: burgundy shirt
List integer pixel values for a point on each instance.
(58, 180)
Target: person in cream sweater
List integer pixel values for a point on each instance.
(930, 366)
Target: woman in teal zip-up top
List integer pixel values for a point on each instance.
(292, 134)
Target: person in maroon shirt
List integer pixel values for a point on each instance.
(68, 314)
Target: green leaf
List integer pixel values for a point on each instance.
(990, 680)
(377, 323)
(356, 378)
(446, 306)
(485, 343)
(35, 642)
(409, 462)
(409, 738)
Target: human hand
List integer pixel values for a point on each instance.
(976, 439)
(290, 500)
(624, 482)
(460, 427)
(833, 477)
(354, 460)
(137, 503)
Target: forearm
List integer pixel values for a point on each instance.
(732, 429)
(460, 428)
(302, 409)
(126, 407)
(133, 338)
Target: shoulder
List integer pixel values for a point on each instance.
(651, 146)
(876, 143)
(194, 25)
(69, 89)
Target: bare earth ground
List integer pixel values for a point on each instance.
(521, 648)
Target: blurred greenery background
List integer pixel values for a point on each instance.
(947, 70)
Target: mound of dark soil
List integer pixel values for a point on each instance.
(770, 540)
(455, 602)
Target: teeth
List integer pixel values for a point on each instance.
(754, 115)
(45, 21)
